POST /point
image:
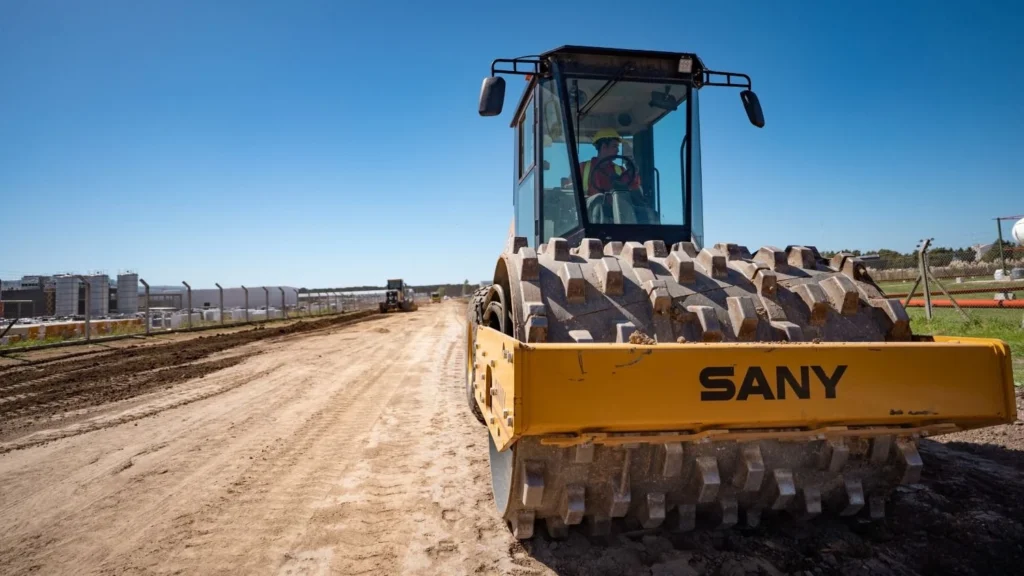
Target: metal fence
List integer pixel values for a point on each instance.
(948, 263)
(958, 279)
(201, 309)
(998, 257)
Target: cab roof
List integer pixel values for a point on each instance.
(602, 60)
(570, 50)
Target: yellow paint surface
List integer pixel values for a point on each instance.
(572, 388)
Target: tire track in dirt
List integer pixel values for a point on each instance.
(220, 384)
(35, 414)
(273, 498)
(417, 500)
(211, 447)
(104, 504)
(60, 401)
(379, 522)
(32, 390)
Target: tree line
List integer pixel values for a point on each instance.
(937, 255)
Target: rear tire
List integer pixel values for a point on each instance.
(475, 317)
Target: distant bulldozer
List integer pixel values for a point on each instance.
(397, 297)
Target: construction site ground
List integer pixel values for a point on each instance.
(344, 446)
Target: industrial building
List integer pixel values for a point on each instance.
(44, 307)
(64, 295)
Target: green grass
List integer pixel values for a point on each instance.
(984, 323)
(948, 284)
(30, 343)
(897, 287)
(117, 330)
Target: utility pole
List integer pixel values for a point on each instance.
(246, 290)
(146, 284)
(189, 289)
(221, 301)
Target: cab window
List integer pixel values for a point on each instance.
(525, 174)
(560, 214)
(632, 144)
(526, 139)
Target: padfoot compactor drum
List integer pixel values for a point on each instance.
(624, 370)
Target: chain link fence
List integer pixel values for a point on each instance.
(954, 294)
(167, 310)
(972, 292)
(964, 263)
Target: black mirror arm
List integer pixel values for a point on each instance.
(492, 93)
(737, 80)
(532, 61)
(715, 78)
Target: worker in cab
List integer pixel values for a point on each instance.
(607, 142)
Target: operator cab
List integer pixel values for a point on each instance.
(608, 143)
(394, 294)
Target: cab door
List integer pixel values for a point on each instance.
(526, 179)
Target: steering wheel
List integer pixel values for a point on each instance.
(617, 182)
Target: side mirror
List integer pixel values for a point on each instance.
(492, 96)
(753, 107)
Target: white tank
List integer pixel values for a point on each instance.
(1018, 232)
(66, 296)
(99, 294)
(127, 293)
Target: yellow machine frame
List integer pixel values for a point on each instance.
(576, 393)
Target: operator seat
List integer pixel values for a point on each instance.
(625, 208)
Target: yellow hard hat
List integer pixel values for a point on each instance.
(606, 133)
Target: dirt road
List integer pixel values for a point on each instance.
(347, 449)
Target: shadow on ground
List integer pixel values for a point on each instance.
(998, 454)
(964, 518)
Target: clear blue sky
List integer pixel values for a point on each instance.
(335, 143)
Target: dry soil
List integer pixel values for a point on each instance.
(344, 447)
